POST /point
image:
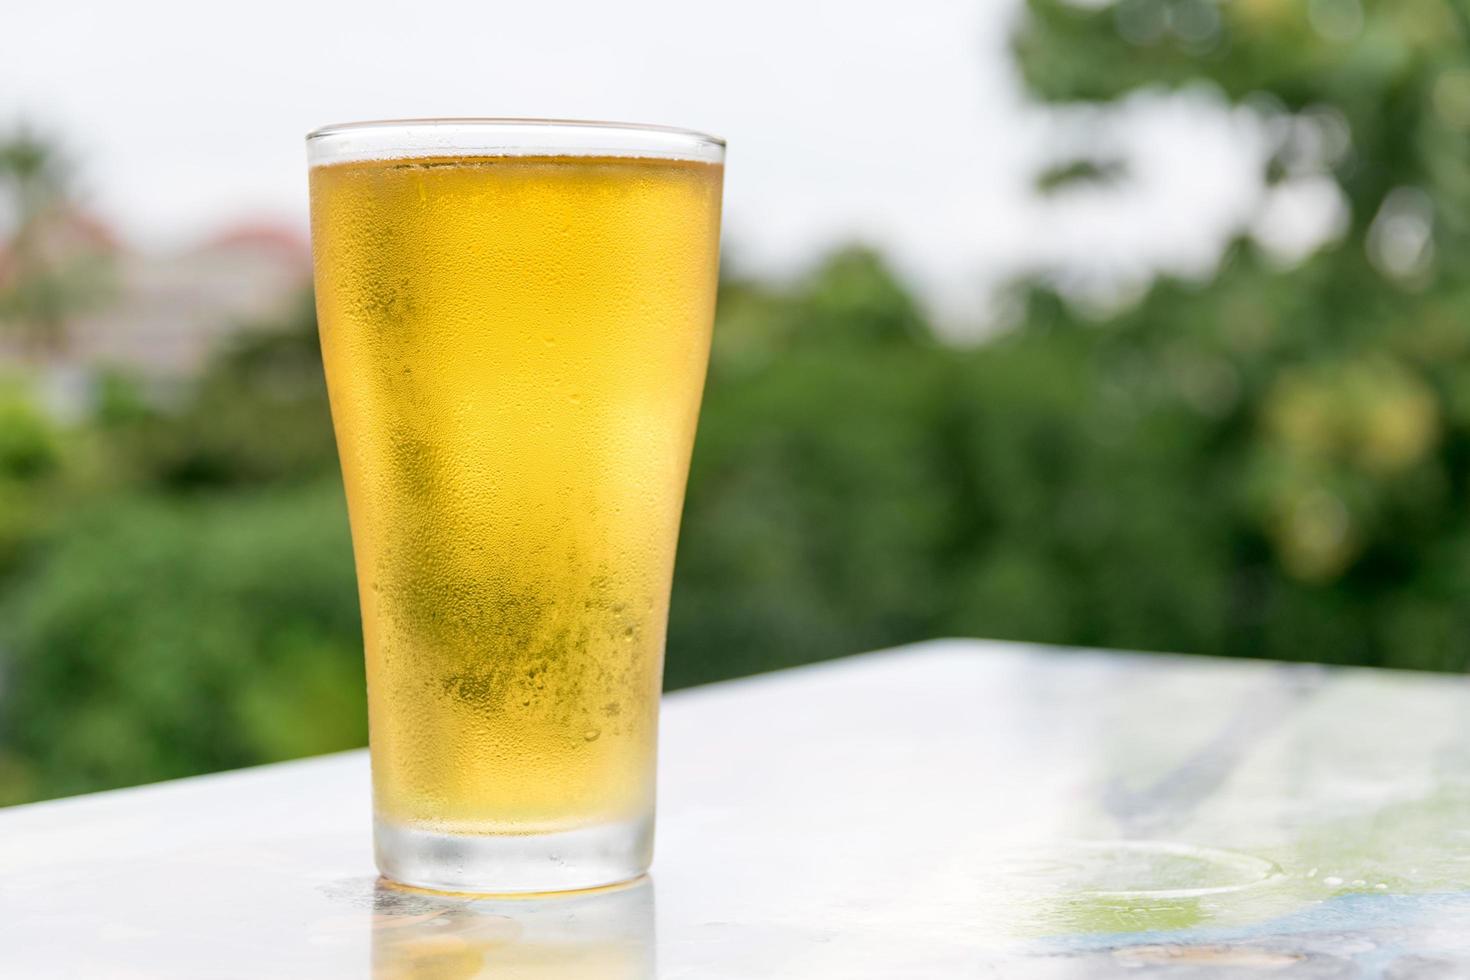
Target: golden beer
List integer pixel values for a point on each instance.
(515, 348)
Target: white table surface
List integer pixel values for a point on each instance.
(953, 809)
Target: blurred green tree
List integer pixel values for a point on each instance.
(165, 637)
(52, 264)
(256, 415)
(193, 606)
(1327, 395)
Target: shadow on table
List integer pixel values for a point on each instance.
(607, 934)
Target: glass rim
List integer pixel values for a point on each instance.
(387, 139)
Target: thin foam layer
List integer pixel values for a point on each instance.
(413, 138)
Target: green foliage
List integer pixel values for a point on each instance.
(258, 414)
(31, 452)
(1072, 173)
(1340, 434)
(161, 637)
(29, 441)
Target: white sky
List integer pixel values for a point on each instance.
(899, 124)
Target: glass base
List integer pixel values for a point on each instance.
(505, 864)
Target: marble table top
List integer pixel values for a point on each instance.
(952, 809)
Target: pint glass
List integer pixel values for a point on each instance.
(515, 323)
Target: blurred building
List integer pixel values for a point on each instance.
(168, 311)
(86, 301)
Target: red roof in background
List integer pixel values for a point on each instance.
(68, 232)
(266, 236)
(78, 232)
(87, 228)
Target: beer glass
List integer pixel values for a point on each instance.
(515, 324)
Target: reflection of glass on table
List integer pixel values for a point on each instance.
(605, 934)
